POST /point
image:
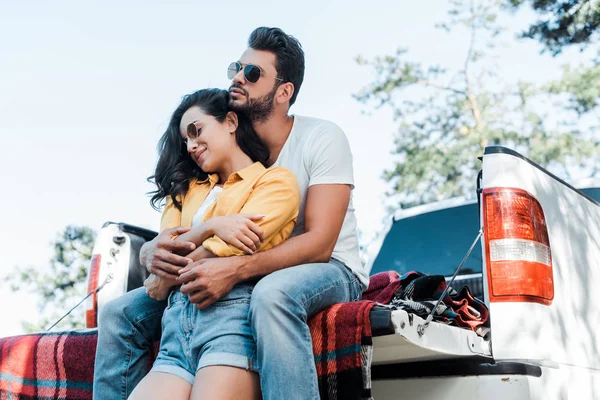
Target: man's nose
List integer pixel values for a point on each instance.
(239, 78)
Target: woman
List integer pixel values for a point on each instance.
(210, 172)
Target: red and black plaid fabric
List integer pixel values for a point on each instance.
(60, 365)
(57, 365)
(342, 342)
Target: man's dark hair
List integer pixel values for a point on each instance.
(288, 54)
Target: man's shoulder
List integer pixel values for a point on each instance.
(312, 125)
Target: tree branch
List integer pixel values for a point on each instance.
(479, 125)
(428, 83)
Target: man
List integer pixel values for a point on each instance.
(317, 267)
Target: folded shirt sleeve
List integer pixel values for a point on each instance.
(277, 196)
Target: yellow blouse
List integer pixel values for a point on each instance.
(271, 192)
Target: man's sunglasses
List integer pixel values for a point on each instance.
(252, 72)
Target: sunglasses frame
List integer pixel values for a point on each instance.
(246, 69)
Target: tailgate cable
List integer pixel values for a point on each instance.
(106, 280)
(421, 328)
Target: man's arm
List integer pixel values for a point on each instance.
(326, 207)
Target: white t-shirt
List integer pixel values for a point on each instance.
(318, 152)
(212, 196)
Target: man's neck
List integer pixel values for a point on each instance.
(274, 132)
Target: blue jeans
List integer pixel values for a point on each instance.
(280, 306)
(217, 335)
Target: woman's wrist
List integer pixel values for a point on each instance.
(210, 226)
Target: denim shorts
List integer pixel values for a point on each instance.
(218, 335)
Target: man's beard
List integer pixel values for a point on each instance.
(258, 110)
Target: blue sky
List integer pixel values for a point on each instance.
(86, 90)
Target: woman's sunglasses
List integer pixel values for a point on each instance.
(252, 72)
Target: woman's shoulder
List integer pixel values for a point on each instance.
(278, 181)
(277, 173)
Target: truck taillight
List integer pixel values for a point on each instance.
(91, 314)
(519, 262)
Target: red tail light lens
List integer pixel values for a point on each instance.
(91, 314)
(519, 261)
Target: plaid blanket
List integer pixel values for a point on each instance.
(342, 342)
(56, 365)
(60, 365)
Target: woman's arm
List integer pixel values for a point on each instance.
(239, 230)
(198, 233)
(276, 196)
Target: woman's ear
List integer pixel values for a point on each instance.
(232, 121)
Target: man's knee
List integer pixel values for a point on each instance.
(276, 299)
(112, 312)
(266, 295)
(128, 309)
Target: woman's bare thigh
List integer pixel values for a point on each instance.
(160, 385)
(226, 383)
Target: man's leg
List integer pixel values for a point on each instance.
(281, 305)
(127, 327)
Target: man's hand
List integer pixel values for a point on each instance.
(208, 280)
(239, 230)
(162, 255)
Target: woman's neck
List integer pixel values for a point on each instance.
(237, 162)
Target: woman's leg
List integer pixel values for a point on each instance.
(225, 383)
(159, 385)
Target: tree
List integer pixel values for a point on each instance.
(64, 284)
(446, 118)
(563, 23)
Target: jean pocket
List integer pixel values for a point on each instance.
(231, 302)
(238, 295)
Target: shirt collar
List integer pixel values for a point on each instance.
(249, 172)
(212, 178)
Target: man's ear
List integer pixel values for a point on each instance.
(285, 91)
(232, 121)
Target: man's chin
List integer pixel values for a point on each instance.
(238, 104)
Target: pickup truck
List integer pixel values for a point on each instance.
(536, 268)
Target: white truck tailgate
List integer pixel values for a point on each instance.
(438, 342)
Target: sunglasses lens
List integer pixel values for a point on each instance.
(192, 131)
(252, 73)
(233, 69)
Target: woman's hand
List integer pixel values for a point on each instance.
(159, 288)
(239, 230)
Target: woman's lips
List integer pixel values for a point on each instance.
(198, 155)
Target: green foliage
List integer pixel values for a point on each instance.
(563, 22)
(447, 117)
(63, 284)
(581, 85)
